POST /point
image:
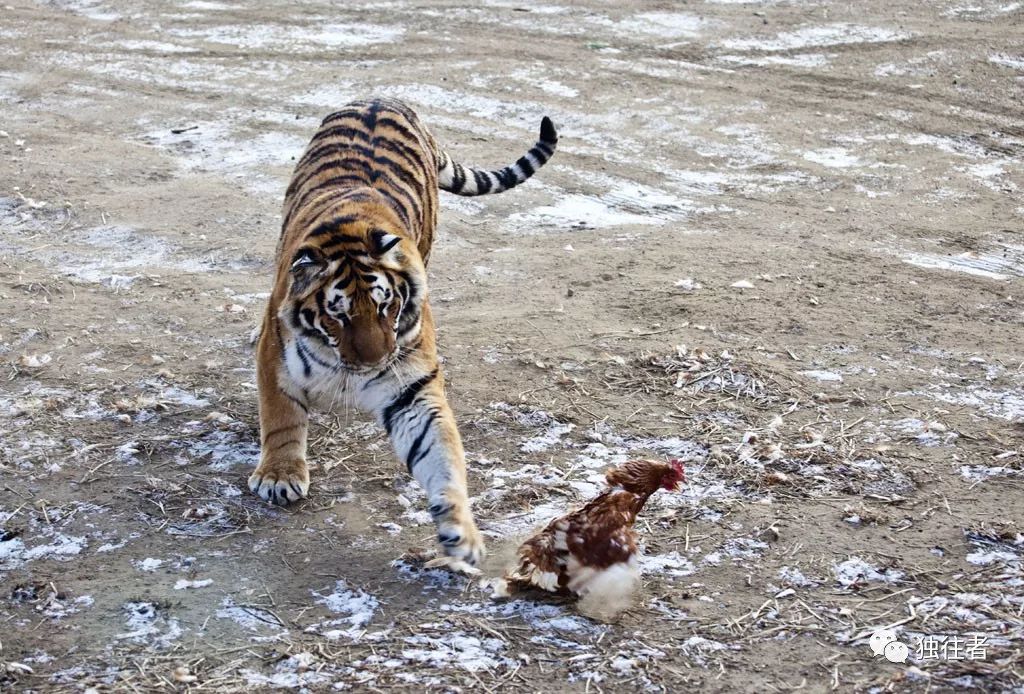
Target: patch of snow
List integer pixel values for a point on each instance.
(146, 624)
(832, 157)
(668, 25)
(824, 376)
(830, 35)
(183, 584)
(456, 649)
(1015, 62)
(669, 564)
(981, 473)
(148, 564)
(357, 607)
(982, 558)
(1008, 405)
(295, 37)
(578, 211)
(806, 60)
(855, 571)
(795, 577)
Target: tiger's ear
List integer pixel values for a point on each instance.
(308, 265)
(383, 242)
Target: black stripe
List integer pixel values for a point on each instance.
(483, 181)
(382, 374)
(459, 179)
(310, 318)
(407, 322)
(279, 430)
(413, 157)
(319, 298)
(282, 445)
(542, 151)
(310, 205)
(526, 166)
(401, 172)
(371, 154)
(298, 402)
(342, 115)
(405, 399)
(331, 225)
(410, 285)
(358, 265)
(397, 206)
(312, 357)
(414, 457)
(345, 281)
(339, 239)
(395, 125)
(340, 131)
(332, 182)
(305, 363)
(440, 509)
(334, 162)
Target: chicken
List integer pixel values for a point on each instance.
(593, 551)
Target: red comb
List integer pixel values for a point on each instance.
(678, 467)
(671, 479)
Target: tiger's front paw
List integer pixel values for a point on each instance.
(460, 539)
(280, 482)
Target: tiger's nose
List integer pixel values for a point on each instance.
(371, 345)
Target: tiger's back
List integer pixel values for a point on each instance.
(380, 144)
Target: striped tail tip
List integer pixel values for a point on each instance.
(463, 180)
(548, 134)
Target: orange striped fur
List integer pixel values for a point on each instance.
(348, 319)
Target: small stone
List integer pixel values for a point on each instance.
(34, 361)
(182, 674)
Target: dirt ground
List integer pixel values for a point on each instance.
(780, 241)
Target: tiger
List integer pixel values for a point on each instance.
(348, 320)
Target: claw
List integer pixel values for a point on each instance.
(280, 484)
(453, 564)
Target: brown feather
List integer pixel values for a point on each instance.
(598, 536)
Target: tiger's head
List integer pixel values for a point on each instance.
(355, 284)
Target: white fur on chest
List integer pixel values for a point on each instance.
(315, 371)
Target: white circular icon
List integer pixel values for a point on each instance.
(880, 639)
(896, 652)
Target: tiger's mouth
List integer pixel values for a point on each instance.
(388, 362)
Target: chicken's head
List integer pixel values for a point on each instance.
(673, 476)
(646, 476)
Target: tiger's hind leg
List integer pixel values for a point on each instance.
(424, 435)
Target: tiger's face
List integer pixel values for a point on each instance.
(358, 290)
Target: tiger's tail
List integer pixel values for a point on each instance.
(463, 180)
